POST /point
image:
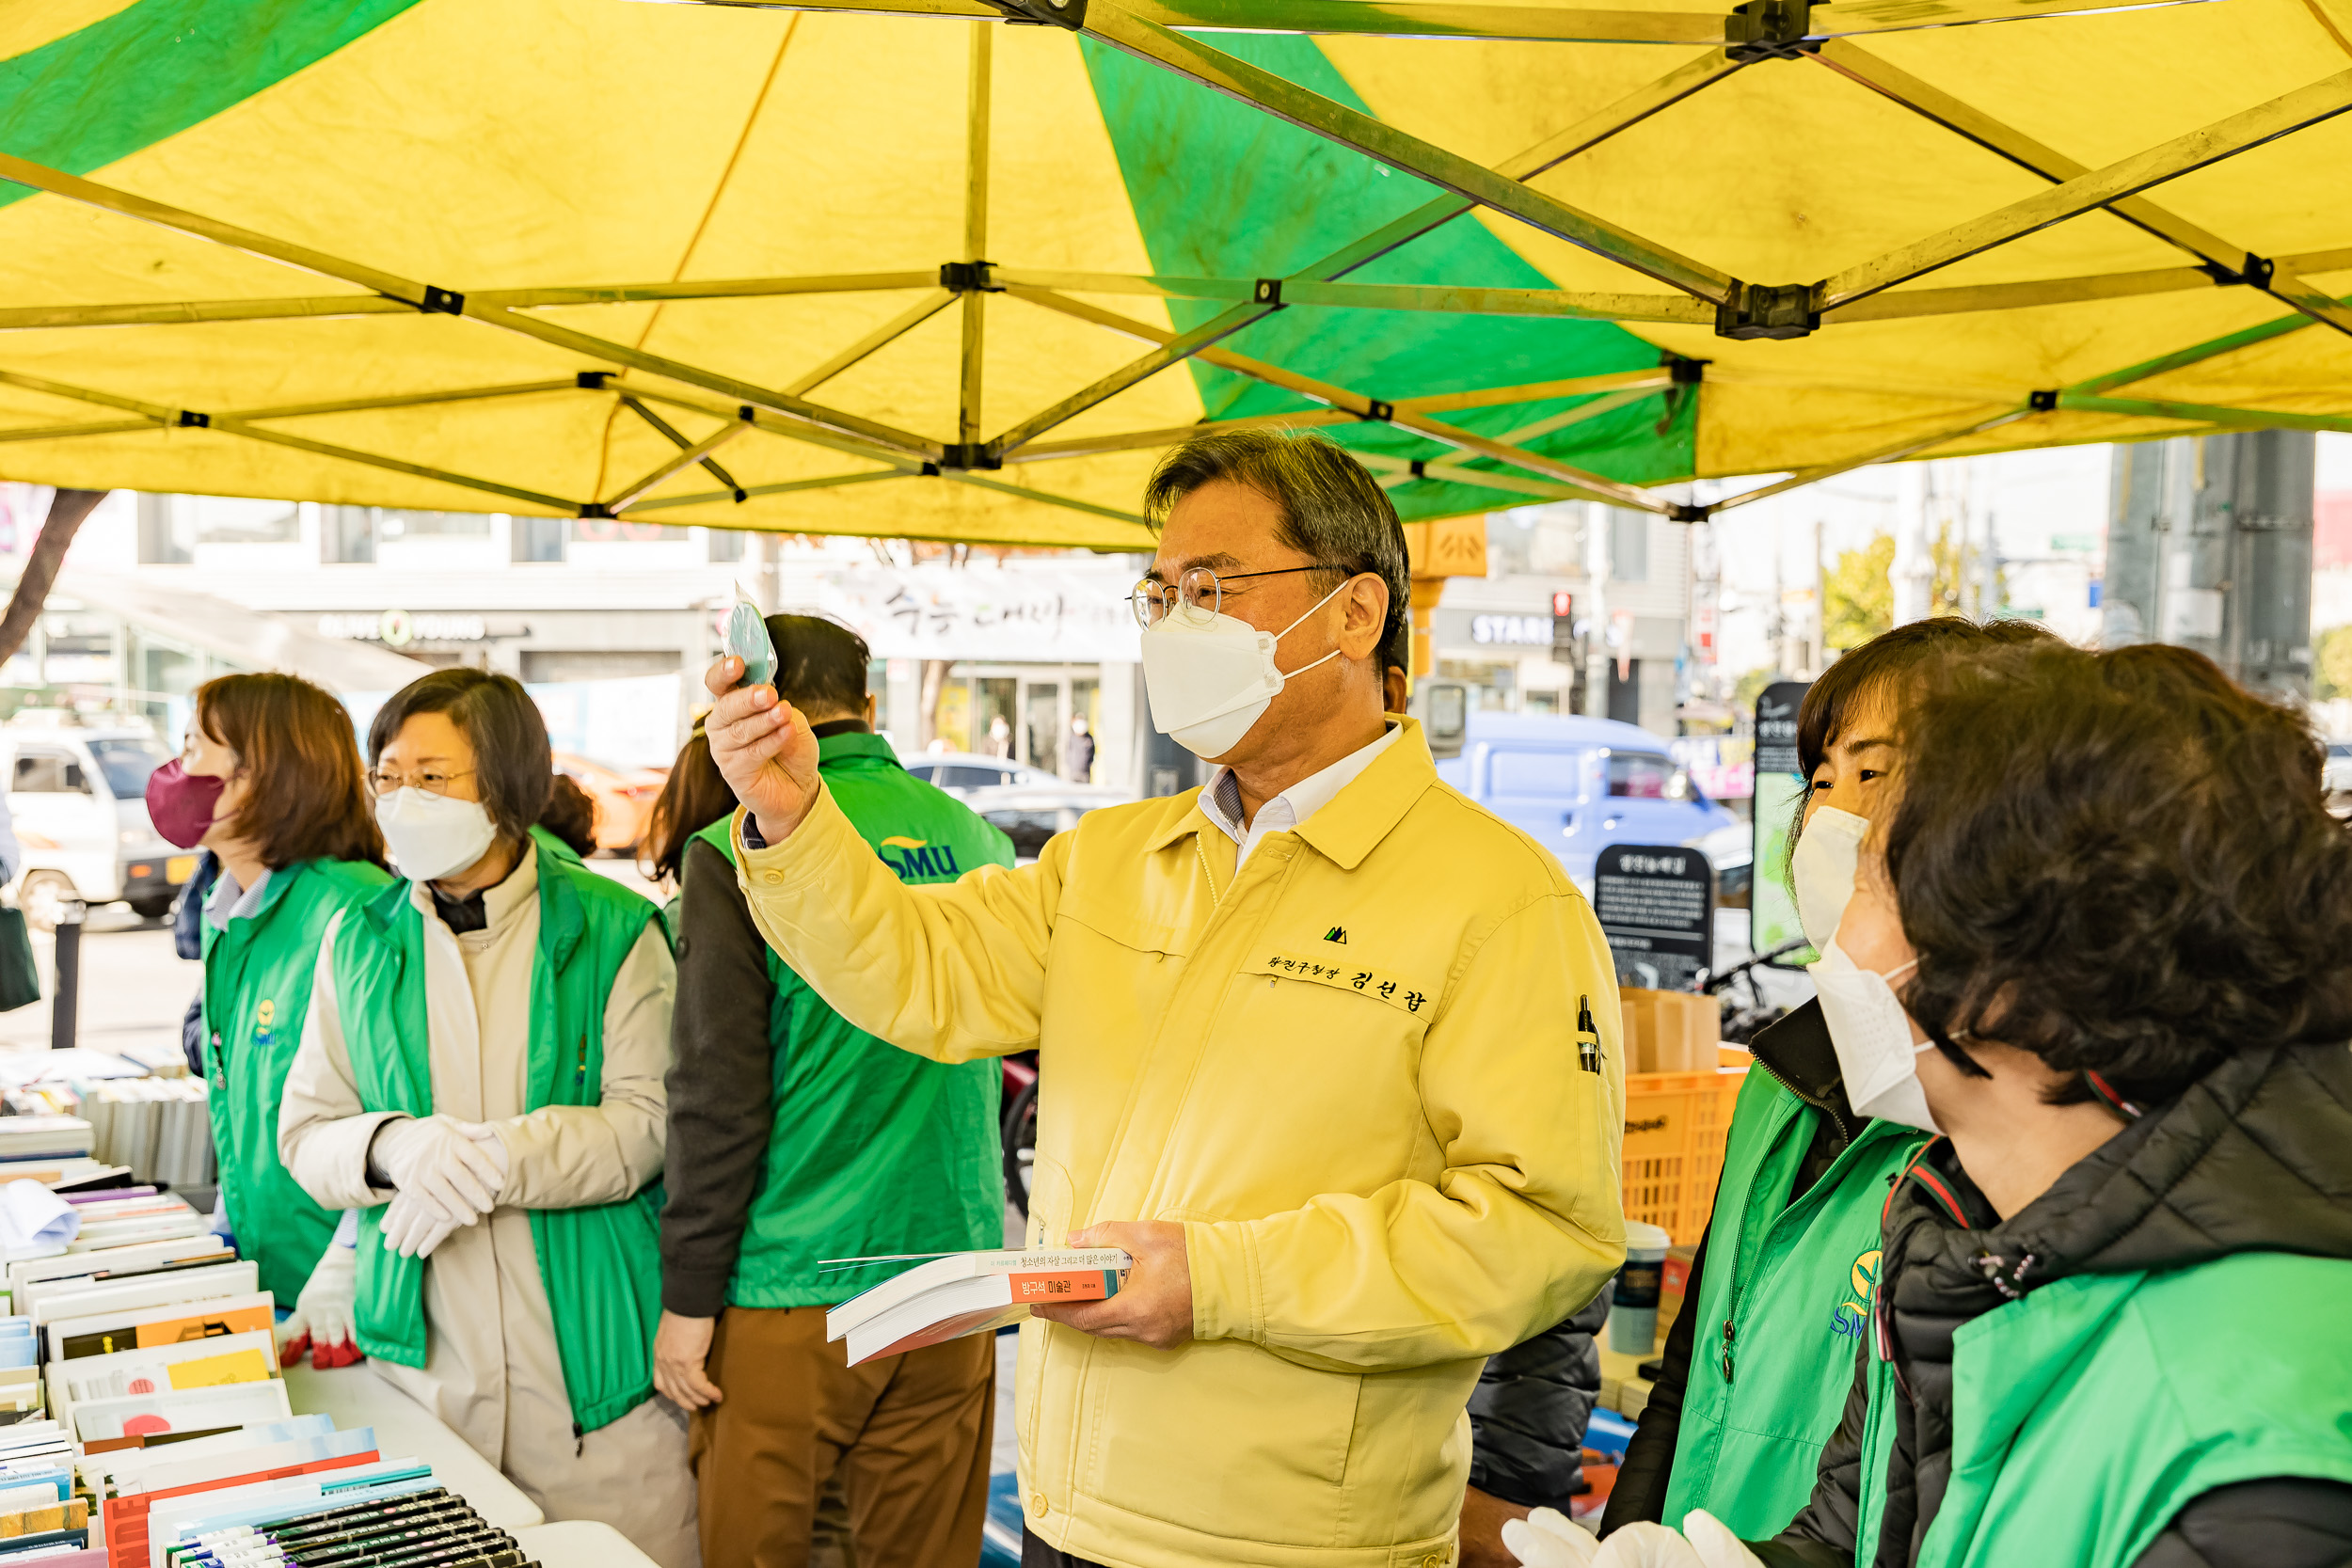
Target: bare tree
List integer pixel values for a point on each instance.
(67, 509)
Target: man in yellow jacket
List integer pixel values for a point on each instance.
(1317, 1041)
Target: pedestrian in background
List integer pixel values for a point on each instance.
(797, 1137)
(1079, 750)
(268, 783)
(1308, 1043)
(481, 1072)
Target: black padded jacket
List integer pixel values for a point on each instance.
(2255, 1157)
(1529, 1410)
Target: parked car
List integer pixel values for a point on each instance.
(623, 798)
(960, 773)
(1031, 814)
(79, 797)
(1580, 785)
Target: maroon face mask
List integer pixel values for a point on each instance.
(179, 803)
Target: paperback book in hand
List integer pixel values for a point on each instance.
(970, 1292)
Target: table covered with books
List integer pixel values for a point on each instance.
(145, 1421)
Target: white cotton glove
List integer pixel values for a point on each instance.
(1548, 1539)
(415, 1222)
(326, 1315)
(1713, 1540)
(1647, 1545)
(440, 1163)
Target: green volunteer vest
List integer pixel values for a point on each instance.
(601, 1264)
(874, 1150)
(2088, 1413)
(1793, 1282)
(257, 992)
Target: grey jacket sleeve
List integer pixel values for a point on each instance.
(722, 1086)
(1529, 1410)
(2284, 1522)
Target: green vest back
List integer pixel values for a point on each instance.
(1792, 1283)
(2088, 1413)
(873, 1149)
(257, 993)
(602, 1263)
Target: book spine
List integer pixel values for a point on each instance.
(1052, 1287)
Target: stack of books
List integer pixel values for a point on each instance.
(969, 1292)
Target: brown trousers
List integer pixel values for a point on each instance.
(906, 1436)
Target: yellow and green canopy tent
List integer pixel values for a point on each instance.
(965, 273)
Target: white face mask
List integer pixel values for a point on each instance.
(432, 835)
(1211, 678)
(1821, 871)
(1871, 1035)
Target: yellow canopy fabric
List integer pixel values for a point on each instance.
(549, 256)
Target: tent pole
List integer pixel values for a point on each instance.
(685, 459)
(56, 432)
(2204, 413)
(1803, 477)
(677, 437)
(783, 488)
(887, 333)
(975, 237)
(1236, 78)
(2198, 149)
(410, 400)
(35, 318)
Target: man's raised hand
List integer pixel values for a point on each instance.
(764, 750)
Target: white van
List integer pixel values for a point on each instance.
(79, 797)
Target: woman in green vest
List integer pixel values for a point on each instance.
(268, 781)
(1757, 1364)
(2100, 932)
(482, 1076)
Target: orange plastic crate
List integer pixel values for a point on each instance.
(1675, 1127)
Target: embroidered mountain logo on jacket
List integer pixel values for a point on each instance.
(919, 860)
(1338, 934)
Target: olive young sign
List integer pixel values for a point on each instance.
(1656, 904)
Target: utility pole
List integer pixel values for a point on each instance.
(2209, 546)
(1913, 575)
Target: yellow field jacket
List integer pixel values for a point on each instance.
(1352, 1071)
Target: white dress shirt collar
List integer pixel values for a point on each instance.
(1221, 802)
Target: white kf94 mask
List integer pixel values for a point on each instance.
(432, 835)
(1871, 1035)
(1211, 676)
(1821, 871)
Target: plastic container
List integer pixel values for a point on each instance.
(1674, 1128)
(1633, 1295)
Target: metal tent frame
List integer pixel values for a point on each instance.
(701, 411)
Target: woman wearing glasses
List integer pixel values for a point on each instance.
(481, 1073)
(269, 781)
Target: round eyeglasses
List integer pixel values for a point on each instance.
(1198, 593)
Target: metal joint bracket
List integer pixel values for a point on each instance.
(929, 470)
(1767, 311)
(592, 381)
(595, 509)
(967, 278)
(1770, 30)
(1378, 411)
(742, 494)
(1687, 372)
(190, 419)
(1687, 511)
(1269, 291)
(445, 302)
(2255, 272)
(746, 413)
(2043, 402)
(967, 455)
(1419, 468)
(1053, 14)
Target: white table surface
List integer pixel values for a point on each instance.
(356, 1397)
(580, 1543)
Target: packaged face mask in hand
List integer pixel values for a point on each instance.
(747, 639)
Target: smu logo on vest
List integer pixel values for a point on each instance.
(919, 860)
(1853, 1313)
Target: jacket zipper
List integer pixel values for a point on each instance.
(1732, 1310)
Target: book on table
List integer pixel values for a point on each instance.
(970, 1293)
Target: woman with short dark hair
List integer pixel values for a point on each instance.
(481, 1074)
(1755, 1368)
(268, 780)
(2102, 931)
